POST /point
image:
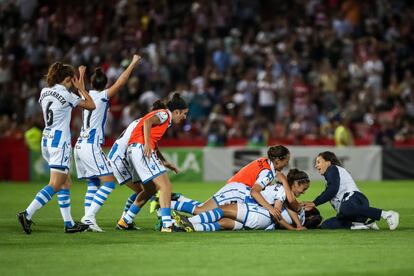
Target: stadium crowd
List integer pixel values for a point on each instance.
(248, 69)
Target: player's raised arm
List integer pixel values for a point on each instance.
(86, 102)
(123, 78)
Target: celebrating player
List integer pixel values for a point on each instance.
(91, 163)
(125, 173)
(250, 180)
(249, 214)
(352, 206)
(147, 161)
(57, 103)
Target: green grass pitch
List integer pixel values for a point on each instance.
(48, 251)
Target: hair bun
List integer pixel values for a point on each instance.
(98, 70)
(176, 95)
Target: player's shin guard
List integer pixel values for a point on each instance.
(166, 217)
(206, 217)
(131, 214)
(93, 186)
(129, 202)
(207, 227)
(100, 198)
(42, 197)
(183, 206)
(64, 204)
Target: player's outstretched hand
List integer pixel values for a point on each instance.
(301, 228)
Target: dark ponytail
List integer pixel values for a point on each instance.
(299, 176)
(330, 156)
(99, 79)
(277, 153)
(158, 104)
(177, 103)
(58, 72)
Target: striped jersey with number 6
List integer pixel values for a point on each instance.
(57, 103)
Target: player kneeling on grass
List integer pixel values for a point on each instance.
(249, 214)
(352, 206)
(57, 103)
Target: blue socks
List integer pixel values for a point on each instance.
(207, 217)
(93, 186)
(42, 197)
(100, 197)
(64, 204)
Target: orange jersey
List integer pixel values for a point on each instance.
(157, 131)
(248, 174)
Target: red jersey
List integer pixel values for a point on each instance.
(157, 131)
(248, 174)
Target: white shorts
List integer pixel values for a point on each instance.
(58, 158)
(232, 193)
(253, 216)
(90, 161)
(146, 168)
(123, 171)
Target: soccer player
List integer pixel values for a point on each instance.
(126, 174)
(57, 104)
(250, 180)
(351, 206)
(91, 162)
(148, 163)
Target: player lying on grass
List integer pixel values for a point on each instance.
(57, 103)
(249, 181)
(352, 206)
(91, 162)
(150, 166)
(249, 214)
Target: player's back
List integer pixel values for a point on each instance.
(121, 144)
(157, 131)
(57, 103)
(93, 121)
(274, 192)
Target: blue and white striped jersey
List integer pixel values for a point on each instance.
(93, 121)
(57, 103)
(121, 144)
(274, 192)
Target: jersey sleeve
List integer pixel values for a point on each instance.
(162, 115)
(265, 178)
(73, 99)
(105, 95)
